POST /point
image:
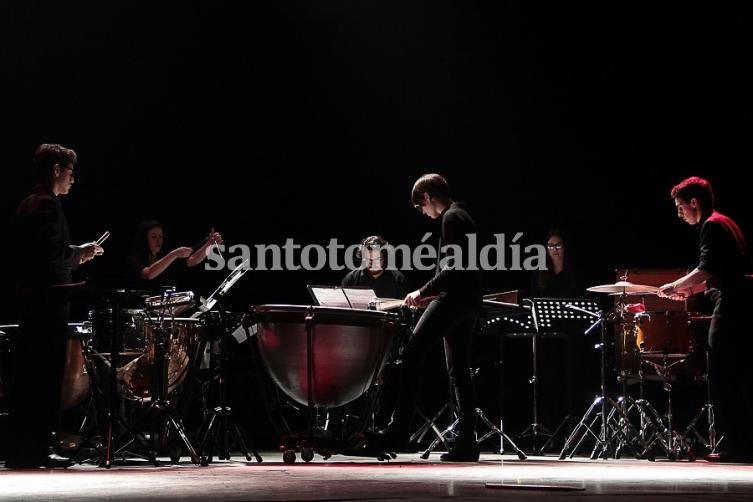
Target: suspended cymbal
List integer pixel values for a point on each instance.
(633, 293)
(623, 287)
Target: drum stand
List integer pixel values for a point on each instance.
(609, 430)
(109, 402)
(673, 444)
(708, 410)
(161, 405)
(220, 432)
(450, 431)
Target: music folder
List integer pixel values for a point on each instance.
(337, 296)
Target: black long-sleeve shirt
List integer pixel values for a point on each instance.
(459, 283)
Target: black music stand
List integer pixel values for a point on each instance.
(551, 315)
(219, 430)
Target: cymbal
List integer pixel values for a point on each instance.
(624, 287)
(633, 293)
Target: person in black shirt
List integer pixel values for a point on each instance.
(561, 279)
(149, 261)
(454, 300)
(722, 265)
(375, 273)
(567, 361)
(43, 290)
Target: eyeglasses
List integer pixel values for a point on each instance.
(557, 246)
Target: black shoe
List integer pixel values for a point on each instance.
(731, 457)
(465, 450)
(389, 440)
(49, 462)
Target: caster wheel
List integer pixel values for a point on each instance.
(288, 456)
(307, 454)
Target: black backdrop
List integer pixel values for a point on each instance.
(310, 120)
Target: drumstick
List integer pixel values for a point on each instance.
(103, 238)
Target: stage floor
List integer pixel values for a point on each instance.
(408, 477)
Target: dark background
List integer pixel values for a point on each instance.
(310, 121)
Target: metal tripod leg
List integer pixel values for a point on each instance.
(493, 429)
(222, 432)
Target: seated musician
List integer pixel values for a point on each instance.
(373, 272)
(563, 279)
(150, 261)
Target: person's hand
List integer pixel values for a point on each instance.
(670, 291)
(214, 237)
(89, 251)
(181, 252)
(413, 299)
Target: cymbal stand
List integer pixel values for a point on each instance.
(708, 410)
(220, 432)
(608, 431)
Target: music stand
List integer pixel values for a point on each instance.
(551, 315)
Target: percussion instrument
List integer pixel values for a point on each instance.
(138, 331)
(323, 356)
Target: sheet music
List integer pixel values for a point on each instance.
(329, 296)
(359, 297)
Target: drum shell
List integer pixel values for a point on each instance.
(76, 381)
(136, 362)
(131, 323)
(323, 356)
(661, 337)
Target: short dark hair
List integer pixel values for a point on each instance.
(434, 185)
(370, 243)
(694, 187)
(48, 155)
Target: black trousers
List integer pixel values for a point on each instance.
(38, 364)
(731, 373)
(451, 322)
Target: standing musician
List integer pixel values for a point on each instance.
(722, 265)
(454, 300)
(43, 289)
